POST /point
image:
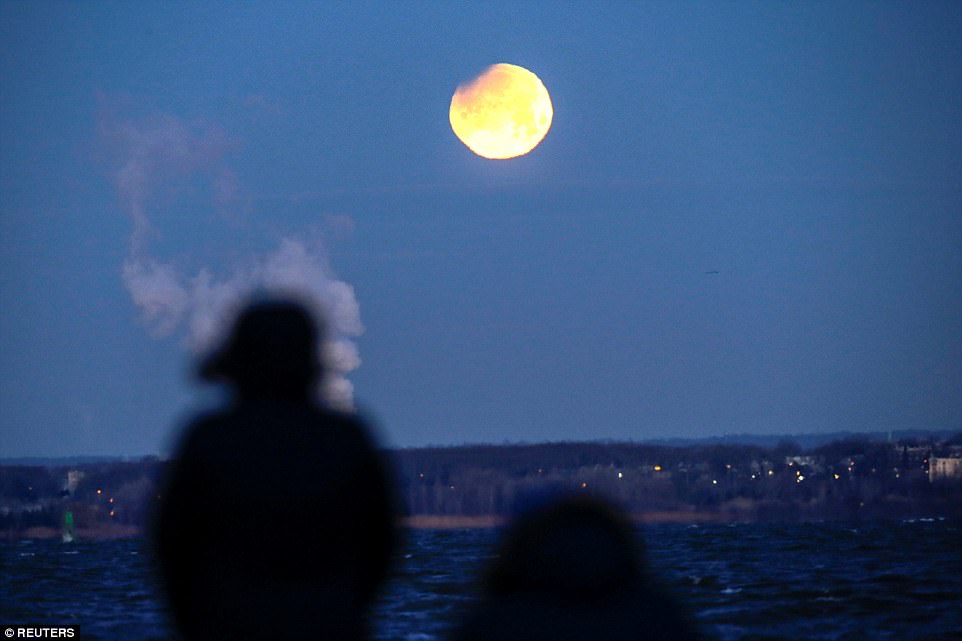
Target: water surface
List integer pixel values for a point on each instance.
(821, 581)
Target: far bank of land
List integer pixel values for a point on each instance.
(483, 485)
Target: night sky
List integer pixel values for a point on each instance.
(159, 160)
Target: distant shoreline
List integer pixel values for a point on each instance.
(441, 522)
(475, 487)
(106, 533)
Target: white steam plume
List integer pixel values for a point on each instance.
(163, 151)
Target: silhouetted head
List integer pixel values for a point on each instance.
(577, 546)
(272, 350)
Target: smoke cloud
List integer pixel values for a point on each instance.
(157, 154)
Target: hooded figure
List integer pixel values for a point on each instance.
(277, 520)
(572, 570)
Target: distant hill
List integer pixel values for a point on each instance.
(69, 461)
(806, 441)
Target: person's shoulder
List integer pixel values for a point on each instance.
(339, 417)
(350, 429)
(209, 417)
(342, 421)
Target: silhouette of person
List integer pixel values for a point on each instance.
(571, 570)
(277, 520)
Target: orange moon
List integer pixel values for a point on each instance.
(503, 113)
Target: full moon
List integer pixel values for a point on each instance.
(503, 113)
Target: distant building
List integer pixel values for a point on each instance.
(945, 468)
(915, 457)
(810, 462)
(73, 479)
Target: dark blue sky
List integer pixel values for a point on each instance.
(158, 159)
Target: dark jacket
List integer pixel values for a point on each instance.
(277, 522)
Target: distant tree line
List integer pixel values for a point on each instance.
(851, 478)
(99, 494)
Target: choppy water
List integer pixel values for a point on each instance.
(828, 581)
